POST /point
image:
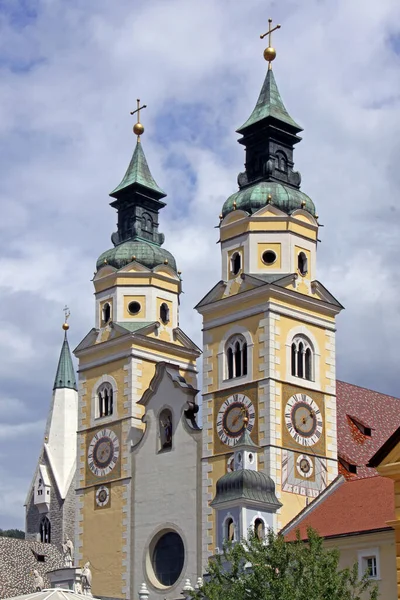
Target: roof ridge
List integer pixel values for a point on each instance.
(361, 387)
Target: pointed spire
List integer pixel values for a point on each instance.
(269, 104)
(245, 441)
(138, 172)
(65, 376)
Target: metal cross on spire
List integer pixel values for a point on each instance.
(270, 52)
(138, 128)
(66, 317)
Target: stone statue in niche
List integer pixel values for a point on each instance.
(38, 581)
(86, 579)
(166, 429)
(68, 549)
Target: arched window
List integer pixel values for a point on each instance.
(236, 356)
(105, 400)
(236, 263)
(147, 225)
(229, 530)
(259, 529)
(106, 312)
(281, 161)
(45, 531)
(165, 425)
(302, 357)
(302, 263)
(164, 313)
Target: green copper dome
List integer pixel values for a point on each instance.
(147, 254)
(254, 197)
(245, 485)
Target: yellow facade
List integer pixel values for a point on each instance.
(116, 359)
(269, 317)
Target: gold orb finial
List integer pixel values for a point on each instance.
(269, 199)
(138, 128)
(234, 205)
(270, 52)
(166, 261)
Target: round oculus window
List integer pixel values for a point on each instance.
(134, 307)
(167, 558)
(268, 257)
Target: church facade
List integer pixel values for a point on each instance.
(267, 442)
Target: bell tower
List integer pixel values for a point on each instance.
(269, 325)
(137, 383)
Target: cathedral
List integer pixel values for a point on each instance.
(146, 488)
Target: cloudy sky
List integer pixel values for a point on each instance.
(70, 74)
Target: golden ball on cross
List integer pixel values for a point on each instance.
(269, 54)
(65, 326)
(138, 129)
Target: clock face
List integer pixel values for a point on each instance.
(231, 415)
(303, 419)
(102, 496)
(304, 466)
(103, 452)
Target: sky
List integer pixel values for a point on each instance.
(70, 72)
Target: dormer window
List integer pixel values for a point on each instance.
(348, 466)
(236, 263)
(362, 427)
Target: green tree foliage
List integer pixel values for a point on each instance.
(12, 533)
(279, 570)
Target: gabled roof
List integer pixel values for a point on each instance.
(347, 508)
(19, 558)
(65, 376)
(379, 411)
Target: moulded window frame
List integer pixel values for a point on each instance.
(315, 383)
(223, 382)
(148, 558)
(99, 389)
(224, 538)
(364, 555)
(160, 449)
(231, 261)
(270, 263)
(95, 413)
(305, 342)
(103, 308)
(134, 314)
(306, 263)
(229, 346)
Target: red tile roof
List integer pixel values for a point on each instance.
(379, 412)
(355, 506)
